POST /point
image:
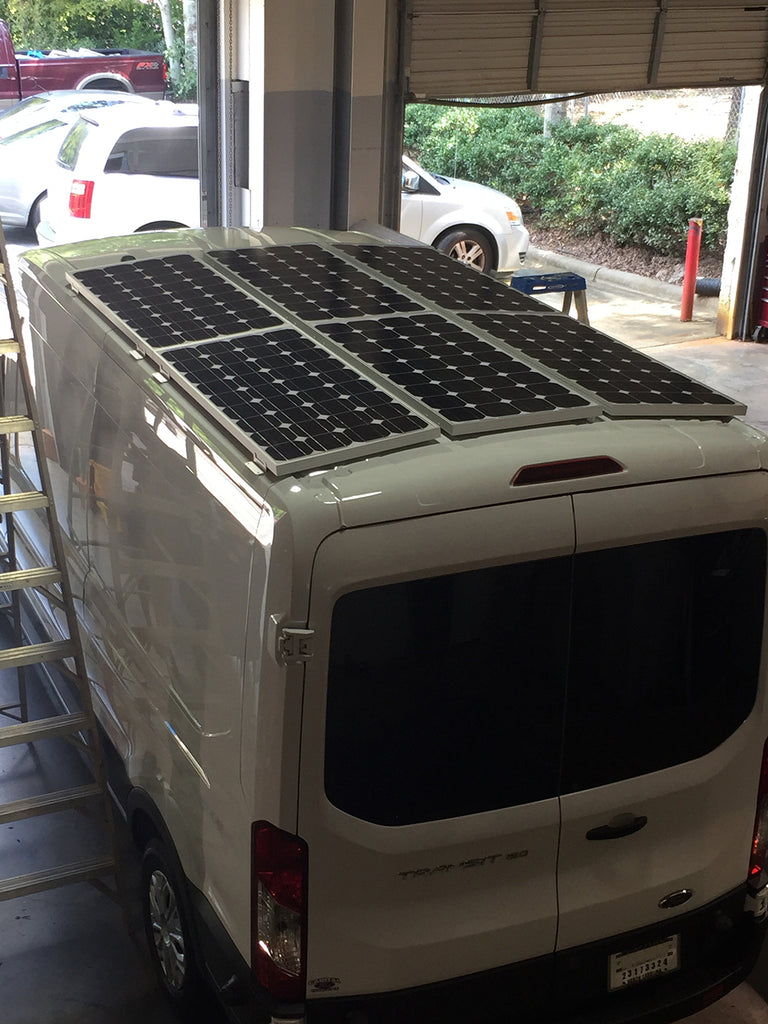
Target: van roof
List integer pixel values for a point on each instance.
(315, 349)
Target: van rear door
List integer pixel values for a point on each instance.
(665, 720)
(430, 747)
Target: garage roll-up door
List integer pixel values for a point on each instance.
(487, 48)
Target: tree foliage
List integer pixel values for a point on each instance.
(62, 24)
(586, 177)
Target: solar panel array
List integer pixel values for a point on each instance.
(469, 384)
(293, 400)
(174, 300)
(442, 281)
(313, 283)
(625, 382)
(308, 353)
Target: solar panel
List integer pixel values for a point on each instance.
(442, 280)
(469, 385)
(313, 283)
(173, 300)
(372, 369)
(291, 403)
(624, 381)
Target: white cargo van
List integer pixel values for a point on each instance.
(425, 628)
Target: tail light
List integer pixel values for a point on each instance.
(757, 862)
(279, 911)
(80, 198)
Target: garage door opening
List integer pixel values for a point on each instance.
(607, 182)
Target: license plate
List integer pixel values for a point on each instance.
(638, 965)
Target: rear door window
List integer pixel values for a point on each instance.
(665, 653)
(165, 152)
(445, 694)
(478, 690)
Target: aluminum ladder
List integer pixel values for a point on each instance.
(76, 722)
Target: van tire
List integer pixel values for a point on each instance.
(469, 246)
(169, 936)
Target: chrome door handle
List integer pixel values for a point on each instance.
(621, 825)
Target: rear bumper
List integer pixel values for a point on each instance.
(718, 948)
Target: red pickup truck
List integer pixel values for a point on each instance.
(22, 75)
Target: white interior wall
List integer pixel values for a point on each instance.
(314, 75)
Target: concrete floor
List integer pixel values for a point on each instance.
(66, 955)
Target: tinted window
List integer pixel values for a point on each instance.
(20, 113)
(33, 131)
(665, 653)
(168, 152)
(72, 144)
(445, 694)
(451, 695)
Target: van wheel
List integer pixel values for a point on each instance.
(469, 247)
(168, 933)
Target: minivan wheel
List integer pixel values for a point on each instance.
(469, 247)
(168, 933)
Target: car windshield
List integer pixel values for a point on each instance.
(33, 131)
(24, 112)
(72, 144)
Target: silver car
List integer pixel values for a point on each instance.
(30, 135)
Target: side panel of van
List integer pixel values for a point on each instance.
(169, 548)
(432, 844)
(665, 720)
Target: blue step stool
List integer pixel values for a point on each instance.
(573, 286)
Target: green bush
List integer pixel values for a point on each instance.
(585, 177)
(60, 24)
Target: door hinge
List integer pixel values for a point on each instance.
(295, 645)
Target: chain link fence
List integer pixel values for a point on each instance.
(690, 113)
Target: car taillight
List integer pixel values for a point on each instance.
(80, 197)
(757, 862)
(279, 911)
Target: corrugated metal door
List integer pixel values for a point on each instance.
(474, 48)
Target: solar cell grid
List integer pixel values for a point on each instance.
(292, 399)
(440, 279)
(460, 377)
(621, 378)
(313, 283)
(174, 300)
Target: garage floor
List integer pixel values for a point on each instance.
(66, 955)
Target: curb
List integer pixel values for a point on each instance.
(622, 279)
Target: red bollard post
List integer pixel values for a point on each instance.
(695, 225)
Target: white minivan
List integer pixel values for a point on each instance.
(425, 627)
(470, 222)
(123, 169)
